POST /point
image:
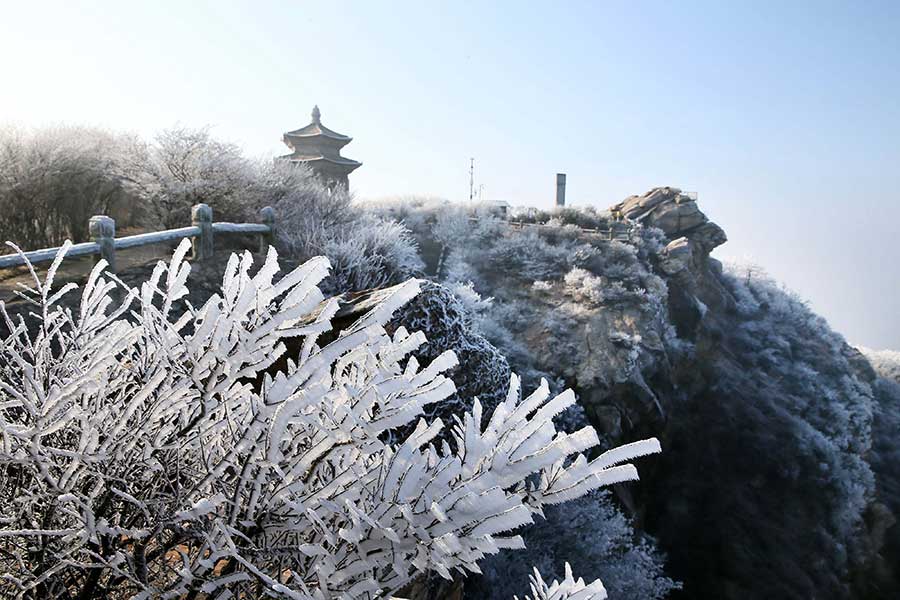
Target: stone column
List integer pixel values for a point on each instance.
(560, 189)
(103, 233)
(201, 216)
(267, 216)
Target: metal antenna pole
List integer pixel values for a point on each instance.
(471, 179)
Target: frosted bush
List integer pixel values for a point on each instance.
(482, 371)
(454, 226)
(151, 456)
(309, 212)
(567, 589)
(649, 241)
(472, 300)
(451, 226)
(595, 538)
(885, 362)
(587, 217)
(478, 308)
(456, 269)
(417, 213)
(371, 254)
(584, 286)
(527, 255)
(52, 180)
(365, 251)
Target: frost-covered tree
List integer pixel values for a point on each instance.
(309, 212)
(53, 180)
(152, 456)
(185, 166)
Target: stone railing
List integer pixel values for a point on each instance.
(105, 243)
(616, 231)
(620, 232)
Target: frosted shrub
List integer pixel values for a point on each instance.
(373, 253)
(415, 212)
(592, 535)
(528, 255)
(53, 180)
(648, 241)
(885, 362)
(453, 226)
(581, 216)
(448, 324)
(584, 286)
(474, 302)
(365, 251)
(309, 213)
(480, 309)
(148, 456)
(568, 588)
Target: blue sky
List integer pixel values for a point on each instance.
(783, 117)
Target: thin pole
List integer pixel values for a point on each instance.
(471, 179)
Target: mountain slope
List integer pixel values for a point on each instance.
(765, 487)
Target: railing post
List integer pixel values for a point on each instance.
(267, 216)
(103, 233)
(201, 216)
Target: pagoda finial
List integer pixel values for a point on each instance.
(316, 115)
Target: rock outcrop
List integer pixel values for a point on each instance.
(677, 258)
(675, 213)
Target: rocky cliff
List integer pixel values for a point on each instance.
(769, 431)
(765, 487)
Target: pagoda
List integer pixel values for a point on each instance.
(320, 148)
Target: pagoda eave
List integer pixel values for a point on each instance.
(347, 166)
(314, 141)
(317, 131)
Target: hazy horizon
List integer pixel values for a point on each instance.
(785, 122)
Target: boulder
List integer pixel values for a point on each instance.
(675, 213)
(709, 236)
(677, 256)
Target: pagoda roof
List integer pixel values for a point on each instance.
(316, 128)
(340, 160)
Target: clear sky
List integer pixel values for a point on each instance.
(784, 117)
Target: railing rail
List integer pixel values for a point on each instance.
(614, 232)
(105, 243)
